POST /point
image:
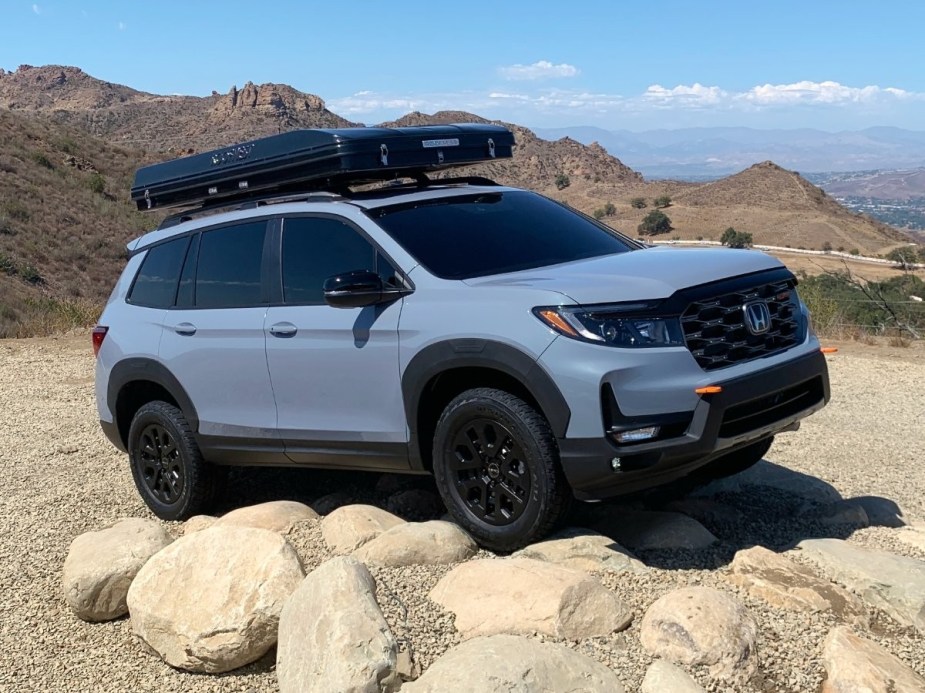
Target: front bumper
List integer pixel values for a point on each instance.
(749, 408)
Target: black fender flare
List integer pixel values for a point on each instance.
(144, 369)
(482, 353)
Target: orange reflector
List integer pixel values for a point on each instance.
(829, 350)
(709, 390)
(556, 321)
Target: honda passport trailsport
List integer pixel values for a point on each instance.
(518, 350)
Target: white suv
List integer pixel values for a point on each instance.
(521, 352)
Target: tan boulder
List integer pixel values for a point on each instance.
(198, 523)
(350, 526)
(414, 543)
(333, 636)
(646, 530)
(525, 596)
(210, 602)
(702, 626)
(895, 584)
(100, 566)
(857, 665)
(583, 549)
(664, 677)
(276, 516)
(513, 664)
(784, 583)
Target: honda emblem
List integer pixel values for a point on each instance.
(757, 317)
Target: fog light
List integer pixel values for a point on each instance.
(637, 434)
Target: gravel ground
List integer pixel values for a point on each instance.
(61, 478)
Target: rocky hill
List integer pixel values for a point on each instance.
(72, 142)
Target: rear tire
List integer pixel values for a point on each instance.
(496, 464)
(173, 479)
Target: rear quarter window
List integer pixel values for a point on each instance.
(155, 285)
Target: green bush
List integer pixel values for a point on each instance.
(14, 210)
(736, 239)
(662, 201)
(638, 203)
(562, 181)
(610, 209)
(96, 183)
(7, 265)
(655, 222)
(598, 213)
(42, 160)
(30, 274)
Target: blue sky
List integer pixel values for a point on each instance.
(635, 65)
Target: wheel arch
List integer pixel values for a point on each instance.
(442, 370)
(136, 381)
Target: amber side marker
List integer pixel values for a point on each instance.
(709, 390)
(829, 350)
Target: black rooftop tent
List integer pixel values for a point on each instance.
(315, 160)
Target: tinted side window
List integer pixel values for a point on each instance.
(315, 248)
(229, 268)
(156, 283)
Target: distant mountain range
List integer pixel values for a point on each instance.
(704, 153)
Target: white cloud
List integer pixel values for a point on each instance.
(693, 95)
(37, 9)
(819, 93)
(542, 69)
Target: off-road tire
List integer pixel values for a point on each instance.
(173, 479)
(510, 447)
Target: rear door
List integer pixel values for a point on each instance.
(213, 340)
(334, 371)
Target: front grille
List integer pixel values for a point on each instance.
(757, 413)
(715, 331)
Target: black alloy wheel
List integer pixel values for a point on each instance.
(489, 471)
(497, 468)
(168, 469)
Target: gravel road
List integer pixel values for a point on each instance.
(60, 477)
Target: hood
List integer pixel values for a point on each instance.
(652, 273)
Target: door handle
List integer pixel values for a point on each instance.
(186, 329)
(283, 329)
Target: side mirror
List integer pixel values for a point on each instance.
(353, 289)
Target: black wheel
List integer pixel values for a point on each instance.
(736, 461)
(497, 467)
(167, 466)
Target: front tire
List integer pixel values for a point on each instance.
(168, 469)
(496, 464)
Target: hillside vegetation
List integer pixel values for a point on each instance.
(72, 143)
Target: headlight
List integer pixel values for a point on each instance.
(618, 325)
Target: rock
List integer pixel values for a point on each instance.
(333, 636)
(645, 530)
(708, 511)
(665, 677)
(583, 549)
(895, 584)
(512, 664)
(524, 596)
(781, 582)
(843, 513)
(419, 543)
(198, 523)
(276, 516)
(913, 536)
(702, 626)
(210, 602)
(857, 665)
(331, 502)
(415, 504)
(349, 527)
(100, 566)
(766, 473)
(882, 512)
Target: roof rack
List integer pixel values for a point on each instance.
(304, 161)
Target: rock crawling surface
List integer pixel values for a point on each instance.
(62, 478)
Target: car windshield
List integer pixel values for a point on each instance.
(493, 233)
